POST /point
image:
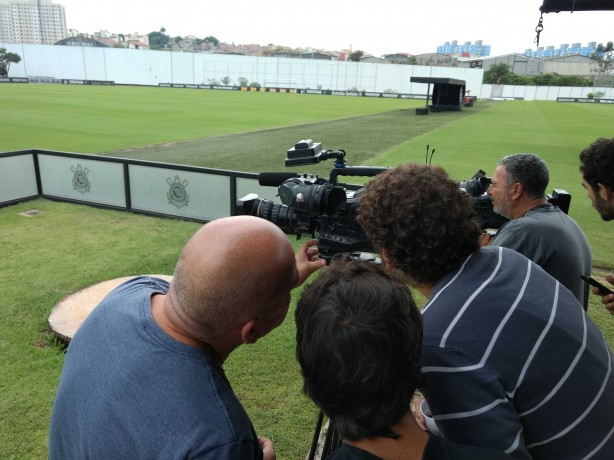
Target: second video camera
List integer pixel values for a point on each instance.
(487, 217)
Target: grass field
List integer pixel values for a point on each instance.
(68, 247)
(100, 119)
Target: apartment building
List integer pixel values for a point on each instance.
(32, 21)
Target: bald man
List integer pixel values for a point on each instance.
(143, 375)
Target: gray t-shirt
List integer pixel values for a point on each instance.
(555, 242)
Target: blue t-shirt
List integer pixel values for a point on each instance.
(129, 390)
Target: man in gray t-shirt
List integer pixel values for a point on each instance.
(537, 229)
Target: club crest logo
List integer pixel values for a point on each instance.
(80, 181)
(177, 196)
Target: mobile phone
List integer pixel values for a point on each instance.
(593, 282)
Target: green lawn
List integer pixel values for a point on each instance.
(68, 247)
(98, 119)
(557, 132)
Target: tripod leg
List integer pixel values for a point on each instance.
(316, 436)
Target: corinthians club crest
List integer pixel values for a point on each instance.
(80, 181)
(177, 195)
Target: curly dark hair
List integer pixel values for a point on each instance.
(421, 219)
(597, 163)
(358, 342)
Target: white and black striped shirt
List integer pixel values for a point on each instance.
(513, 362)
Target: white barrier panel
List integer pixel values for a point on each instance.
(17, 177)
(193, 195)
(82, 179)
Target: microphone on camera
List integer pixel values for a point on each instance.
(275, 179)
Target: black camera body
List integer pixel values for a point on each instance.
(313, 205)
(486, 216)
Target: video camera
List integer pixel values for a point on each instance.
(312, 204)
(486, 216)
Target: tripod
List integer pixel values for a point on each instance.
(331, 441)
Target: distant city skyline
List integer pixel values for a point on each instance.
(389, 26)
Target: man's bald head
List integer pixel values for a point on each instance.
(232, 270)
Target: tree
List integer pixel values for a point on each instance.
(226, 80)
(497, 74)
(572, 80)
(6, 59)
(545, 79)
(604, 55)
(158, 40)
(243, 82)
(356, 56)
(211, 39)
(178, 39)
(501, 74)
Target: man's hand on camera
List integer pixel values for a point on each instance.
(307, 260)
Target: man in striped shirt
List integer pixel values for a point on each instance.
(511, 361)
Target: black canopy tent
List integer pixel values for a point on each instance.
(448, 94)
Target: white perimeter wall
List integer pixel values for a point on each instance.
(145, 67)
(542, 93)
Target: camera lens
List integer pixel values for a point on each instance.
(282, 216)
(312, 198)
(475, 186)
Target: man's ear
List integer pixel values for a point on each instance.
(517, 190)
(248, 332)
(604, 192)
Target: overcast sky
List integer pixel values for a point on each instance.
(376, 27)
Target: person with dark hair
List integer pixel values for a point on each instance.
(597, 169)
(358, 343)
(143, 375)
(510, 359)
(537, 229)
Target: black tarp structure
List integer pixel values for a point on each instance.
(555, 6)
(448, 94)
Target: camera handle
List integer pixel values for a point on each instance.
(368, 171)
